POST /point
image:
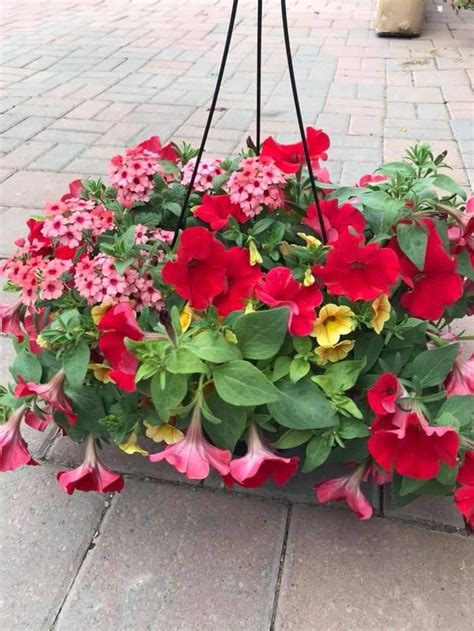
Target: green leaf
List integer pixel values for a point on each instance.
(410, 485)
(213, 347)
(261, 334)
(240, 383)
(233, 419)
(26, 365)
(75, 362)
(381, 210)
(346, 406)
(465, 267)
(169, 395)
(293, 438)
(317, 451)
(340, 376)
(281, 367)
(413, 239)
(302, 406)
(431, 367)
(89, 406)
(183, 361)
(447, 183)
(299, 368)
(457, 410)
(351, 428)
(397, 168)
(368, 346)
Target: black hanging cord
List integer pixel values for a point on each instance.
(294, 89)
(259, 72)
(212, 109)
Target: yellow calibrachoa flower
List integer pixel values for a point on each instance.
(185, 317)
(101, 372)
(332, 322)
(99, 311)
(249, 308)
(255, 256)
(131, 446)
(42, 342)
(311, 242)
(381, 309)
(170, 434)
(309, 279)
(334, 353)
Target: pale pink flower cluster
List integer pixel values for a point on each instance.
(66, 221)
(97, 280)
(132, 175)
(207, 171)
(258, 183)
(141, 234)
(36, 277)
(163, 235)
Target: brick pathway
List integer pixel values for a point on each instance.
(81, 80)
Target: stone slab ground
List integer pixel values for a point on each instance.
(81, 80)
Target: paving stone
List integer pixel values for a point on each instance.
(24, 154)
(340, 573)
(28, 128)
(57, 157)
(12, 226)
(163, 585)
(32, 189)
(45, 534)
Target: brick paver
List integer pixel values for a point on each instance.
(80, 80)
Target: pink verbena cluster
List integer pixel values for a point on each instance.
(207, 171)
(37, 278)
(97, 280)
(67, 220)
(258, 183)
(132, 174)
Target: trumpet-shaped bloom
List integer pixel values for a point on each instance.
(464, 495)
(336, 219)
(241, 278)
(460, 380)
(260, 464)
(332, 322)
(381, 313)
(10, 319)
(198, 273)
(334, 353)
(383, 395)
(51, 393)
(290, 158)
(346, 488)
(280, 289)
(194, 455)
(13, 449)
(91, 475)
(358, 271)
(216, 211)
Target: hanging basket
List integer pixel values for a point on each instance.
(233, 310)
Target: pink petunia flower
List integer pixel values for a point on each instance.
(260, 464)
(13, 449)
(51, 393)
(194, 455)
(460, 381)
(10, 320)
(346, 488)
(91, 475)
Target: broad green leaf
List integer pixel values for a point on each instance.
(261, 334)
(465, 267)
(75, 363)
(340, 377)
(233, 421)
(368, 346)
(431, 367)
(240, 383)
(397, 168)
(381, 210)
(413, 239)
(447, 183)
(351, 428)
(302, 406)
(168, 395)
(293, 438)
(410, 485)
(317, 451)
(346, 406)
(213, 347)
(457, 410)
(281, 367)
(185, 362)
(89, 406)
(26, 365)
(299, 368)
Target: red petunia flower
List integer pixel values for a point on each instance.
(165, 152)
(260, 464)
(370, 179)
(194, 455)
(383, 395)
(91, 475)
(290, 158)
(51, 393)
(215, 210)
(337, 219)
(436, 286)
(346, 487)
(118, 323)
(13, 449)
(76, 188)
(10, 320)
(40, 423)
(198, 274)
(241, 278)
(357, 271)
(404, 441)
(464, 495)
(280, 289)
(460, 380)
